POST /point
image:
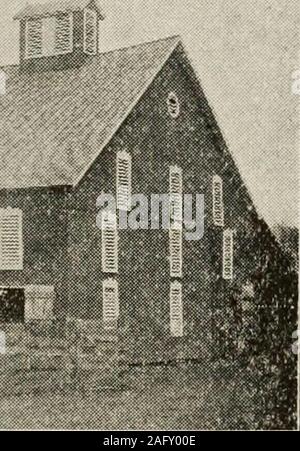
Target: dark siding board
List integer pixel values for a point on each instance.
(44, 238)
(155, 142)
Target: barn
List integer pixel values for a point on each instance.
(76, 122)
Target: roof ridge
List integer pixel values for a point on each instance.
(178, 37)
(60, 132)
(154, 41)
(40, 9)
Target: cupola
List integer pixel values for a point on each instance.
(58, 34)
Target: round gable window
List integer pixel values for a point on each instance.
(173, 105)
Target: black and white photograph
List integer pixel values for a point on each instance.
(149, 195)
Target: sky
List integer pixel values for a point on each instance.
(244, 53)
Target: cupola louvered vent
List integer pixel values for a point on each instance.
(63, 33)
(66, 30)
(90, 32)
(34, 38)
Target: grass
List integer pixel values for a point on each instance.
(165, 398)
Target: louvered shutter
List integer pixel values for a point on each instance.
(64, 33)
(109, 243)
(90, 32)
(48, 36)
(175, 253)
(218, 206)
(110, 303)
(11, 240)
(39, 301)
(176, 310)
(228, 254)
(34, 41)
(123, 181)
(176, 196)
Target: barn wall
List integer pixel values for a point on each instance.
(156, 141)
(44, 238)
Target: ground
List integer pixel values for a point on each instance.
(152, 398)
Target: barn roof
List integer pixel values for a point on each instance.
(53, 124)
(59, 6)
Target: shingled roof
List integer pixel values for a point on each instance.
(59, 6)
(53, 124)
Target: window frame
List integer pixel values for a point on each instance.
(27, 55)
(71, 25)
(29, 289)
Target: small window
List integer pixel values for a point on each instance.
(110, 303)
(123, 181)
(90, 32)
(176, 311)
(11, 239)
(2, 83)
(218, 206)
(228, 254)
(173, 105)
(39, 301)
(109, 243)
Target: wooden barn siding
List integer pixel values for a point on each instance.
(156, 141)
(44, 238)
